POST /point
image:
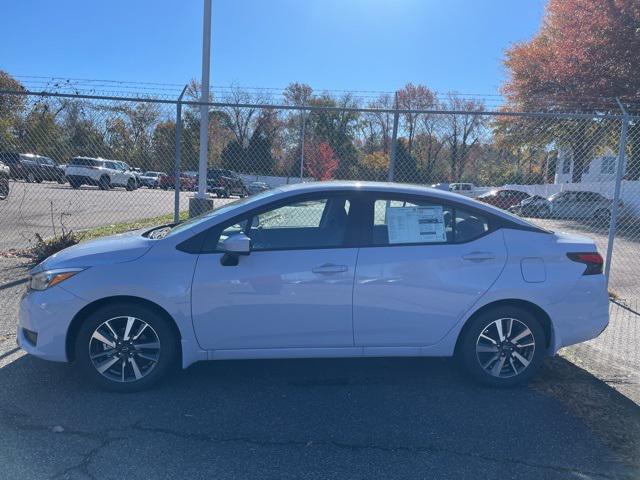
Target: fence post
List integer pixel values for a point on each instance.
(304, 123)
(178, 166)
(394, 141)
(616, 194)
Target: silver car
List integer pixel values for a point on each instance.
(578, 205)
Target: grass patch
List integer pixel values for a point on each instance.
(122, 227)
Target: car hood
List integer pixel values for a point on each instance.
(121, 248)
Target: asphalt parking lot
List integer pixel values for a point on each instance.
(357, 418)
(33, 208)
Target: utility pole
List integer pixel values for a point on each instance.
(200, 203)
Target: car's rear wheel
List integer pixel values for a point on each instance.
(74, 183)
(502, 347)
(125, 347)
(104, 183)
(31, 178)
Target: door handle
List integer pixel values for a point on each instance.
(479, 256)
(329, 268)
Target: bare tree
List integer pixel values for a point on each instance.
(464, 130)
(413, 97)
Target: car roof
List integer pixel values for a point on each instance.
(399, 188)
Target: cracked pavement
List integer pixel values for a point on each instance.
(292, 419)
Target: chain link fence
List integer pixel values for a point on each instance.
(102, 164)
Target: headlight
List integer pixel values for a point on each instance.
(49, 278)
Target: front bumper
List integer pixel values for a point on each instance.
(47, 314)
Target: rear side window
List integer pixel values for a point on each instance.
(84, 162)
(397, 222)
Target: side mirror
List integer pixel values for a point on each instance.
(238, 244)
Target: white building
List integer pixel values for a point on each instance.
(602, 168)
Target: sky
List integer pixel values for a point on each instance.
(364, 45)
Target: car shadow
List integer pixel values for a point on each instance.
(329, 418)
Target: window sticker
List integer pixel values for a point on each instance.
(416, 224)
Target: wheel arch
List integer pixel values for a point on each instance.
(87, 310)
(536, 310)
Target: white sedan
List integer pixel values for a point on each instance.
(338, 269)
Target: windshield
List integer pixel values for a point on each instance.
(192, 222)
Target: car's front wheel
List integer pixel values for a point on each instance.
(125, 347)
(502, 347)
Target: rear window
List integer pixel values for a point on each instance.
(9, 158)
(84, 162)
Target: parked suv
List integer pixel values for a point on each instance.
(134, 171)
(32, 168)
(225, 183)
(4, 181)
(101, 172)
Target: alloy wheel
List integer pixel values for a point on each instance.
(124, 349)
(505, 348)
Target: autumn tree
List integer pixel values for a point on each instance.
(374, 166)
(337, 126)
(11, 107)
(320, 161)
(586, 53)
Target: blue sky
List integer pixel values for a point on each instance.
(330, 44)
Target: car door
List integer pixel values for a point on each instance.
(426, 265)
(294, 289)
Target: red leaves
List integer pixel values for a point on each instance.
(320, 161)
(585, 50)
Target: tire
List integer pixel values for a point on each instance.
(104, 183)
(502, 367)
(4, 189)
(157, 332)
(30, 178)
(543, 212)
(602, 216)
(75, 184)
(131, 185)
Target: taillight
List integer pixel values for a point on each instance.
(593, 261)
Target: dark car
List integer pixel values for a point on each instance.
(535, 206)
(32, 168)
(4, 181)
(168, 182)
(503, 198)
(225, 183)
(257, 187)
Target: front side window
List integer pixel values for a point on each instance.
(398, 222)
(318, 223)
